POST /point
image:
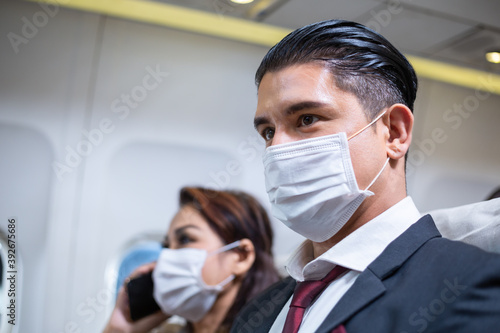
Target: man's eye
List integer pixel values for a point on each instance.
(268, 134)
(307, 120)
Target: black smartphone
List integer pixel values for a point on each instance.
(140, 296)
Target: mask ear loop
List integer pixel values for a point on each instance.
(231, 277)
(372, 122)
(379, 173)
(225, 281)
(388, 158)
(226, 248)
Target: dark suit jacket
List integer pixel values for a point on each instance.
(420, 283)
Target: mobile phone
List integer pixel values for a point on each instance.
(140, 296)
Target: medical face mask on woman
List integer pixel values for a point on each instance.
(312, 186)
(179, 288)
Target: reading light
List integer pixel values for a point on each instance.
(493, 57)
(242, 2)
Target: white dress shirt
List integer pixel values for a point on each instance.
(354, 252)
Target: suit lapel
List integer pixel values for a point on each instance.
(270, 305)
(366, 288)
(369, 284)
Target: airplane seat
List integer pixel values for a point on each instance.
(477, 224)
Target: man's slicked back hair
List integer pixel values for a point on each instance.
(362, 62)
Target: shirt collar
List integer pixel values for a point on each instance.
(358, 249)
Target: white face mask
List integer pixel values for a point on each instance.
(311, 184)
(179, 288)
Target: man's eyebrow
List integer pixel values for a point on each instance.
(291, 110)
(259, 121)
(302, 106)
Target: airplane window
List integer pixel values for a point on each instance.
(139, 251)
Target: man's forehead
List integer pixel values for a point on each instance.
(310, 83)
(295, 75)
(294, 84)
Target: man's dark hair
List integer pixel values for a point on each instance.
(362, 62)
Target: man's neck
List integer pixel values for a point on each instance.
(370, 209)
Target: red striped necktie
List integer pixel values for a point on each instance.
(303, 295)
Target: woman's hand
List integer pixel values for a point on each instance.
(120, 321)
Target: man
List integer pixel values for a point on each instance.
(335, 103)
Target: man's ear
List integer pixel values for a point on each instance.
(245, 259)
(399, 120)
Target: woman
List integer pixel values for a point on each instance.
(217, 256)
